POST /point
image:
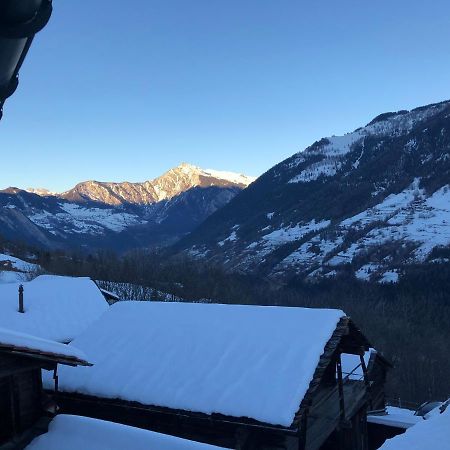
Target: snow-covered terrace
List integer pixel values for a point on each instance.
(56, 308)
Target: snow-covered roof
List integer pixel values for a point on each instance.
(395, 417)
(427, 434)
(25, 344)
(56, 308)
(241, 361)
(76, 432)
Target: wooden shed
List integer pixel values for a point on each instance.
(243, 377)
(21, 395)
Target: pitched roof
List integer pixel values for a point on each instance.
(241, 361)
(34, 347)
(76, 432)
(56, 308)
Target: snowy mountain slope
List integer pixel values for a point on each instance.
(370, 201)
(118, 215)
(15, 270)
(40, 191)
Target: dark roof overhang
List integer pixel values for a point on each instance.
(43, 355)
(20, 20)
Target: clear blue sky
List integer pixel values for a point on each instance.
(116, 90)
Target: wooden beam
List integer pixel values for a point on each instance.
(340, 388)
(366, 378)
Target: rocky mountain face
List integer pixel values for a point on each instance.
(118, 215)
(174, 182)
(365, 203)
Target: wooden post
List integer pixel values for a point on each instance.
(366, 379)
(13, 406)
(342, 445)
(340, 388)
(303, 431)
(55, 377)
(21, 310)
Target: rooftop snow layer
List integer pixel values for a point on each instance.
(396, 417)
(76, 432)
(427, 434)
(11, 340)
(241, 361)
(56, 308)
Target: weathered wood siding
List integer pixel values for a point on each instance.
(20, 394)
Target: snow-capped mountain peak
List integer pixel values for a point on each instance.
(172, 183)
(40, 191)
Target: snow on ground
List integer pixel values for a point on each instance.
(15, 270)
(14, 263)
(327, 167)
(68, 432)
(241, 361)
(231, 238)
(390, 276)
(313, 252)
(56, 308)
(345, 256)
(432, 434)
(391, 205)
(130, 291)
(333, 152)
(426, 225)
(408, 217)
(365, 272)
(293, 233)
(25, 342)
(85, 220)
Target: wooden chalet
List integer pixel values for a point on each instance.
(22, 400)
(329, 413)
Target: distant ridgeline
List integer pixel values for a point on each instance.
(118, 216)
(366, 203)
